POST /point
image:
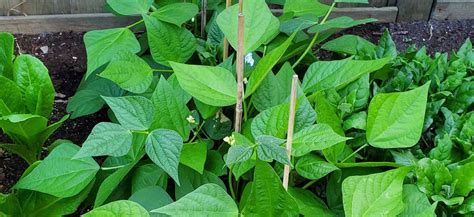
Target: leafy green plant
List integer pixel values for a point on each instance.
(26, 102)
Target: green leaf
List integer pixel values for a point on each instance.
(378, 194)
(108, 186)
(104, 45)
(395, 120)
(356, 121)
(431, 175)
(272, 122)
(349, 44)
(215, 163)
(168, 42)
(273, 90)
(33, 79)
(386, 46)
(7, 42)
(106, 139)
(211, 85)
(416, 203)
(9, 97)
(259, 27)
(238, 154)
(465, 179)
(130, 7)
(309, 204)
(313, 138)
(59, 169)
(164, 149)
(148, 175)
(194, 155)
(129, 72)
(272, 151)
(207, 200)
(170, 111)
(467, 206)
(265, 65)
(443, 149)
(267, 196)
(341, 22)
(462, 99)
(324, 75)
(151, 198)
(132, 112)
(120, 208)
(313, 167)
(176, 13)
(304, 7)
(191, 180)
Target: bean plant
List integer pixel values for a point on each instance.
(376, 132)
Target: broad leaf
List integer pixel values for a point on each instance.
(313, 167)
(267, 196)
(9, 96)
(349, 44)
(106, 139)
(194, 155)
(238, 153)
(304, 7)
(176, 13)
(378, 194)
(148, 175)
(6, 54)
(151, 198)
(103, 45)
(315, 138)
(269, 148)
(73, 175)
(272, 122)
(168, 42)
(416, 203)
(130, 7)
(132, 112)
(170, 111)
(342, 22)
(164, 149)
(211, 85)
(259, 27)
(119, 208)
(191, 180)
(465, 178)
(309, 204)
(395, 120)
(207, 200)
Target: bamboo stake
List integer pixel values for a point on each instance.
(226, 42)
(240, 69)
(203, 18)
(291, 124)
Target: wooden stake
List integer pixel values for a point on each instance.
(226, 42)
(203, 18)
(240, 69)
(291, 125)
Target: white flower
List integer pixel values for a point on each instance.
(191, 119)
(230, 140)
(192, 19)
(249, 59)
(246, 81)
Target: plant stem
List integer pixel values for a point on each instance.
(240, 69)
(231, 185)
(153, 8)
(163, 70)
(226, 42)
(368, 164)
(291, 125)
(197, 132)
(135, 24)
(315, 37)
(309, 184)
(203, 18)
(355, 152)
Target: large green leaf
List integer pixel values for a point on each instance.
(267, 196)
(431, 176)
(151, 197)
(129, 72)
(170, 111)
(59, 169)
(349, 44)
(315, 138)
(176, 13)
(323, 75)
(6, 54)
(395, 120)
(272, 122)
(130, 7)
(269, 148)
(309, 204)
(341, 22)
(191, 180)
(103, 45)
(120, 208)
(273, 90)
(106, 139)
(194, 155)
(265, 65)
(148, 175)
(23, 128)
(132, 112)
(378, 194)
(416, 203)
(465, 178)
(9, 97)
(168, 42)
(313, 167)
(164, 149)
(32, 77)
(211, 85)
(207, 200)
(259, 27)
(304, 7)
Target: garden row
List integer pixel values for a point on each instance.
(377, 131)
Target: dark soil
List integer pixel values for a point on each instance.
(66, 61)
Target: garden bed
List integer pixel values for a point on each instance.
(65, 58)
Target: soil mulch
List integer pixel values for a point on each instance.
(64, 55)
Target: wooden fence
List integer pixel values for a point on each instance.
(35, 16)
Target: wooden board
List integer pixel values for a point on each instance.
(383, 15)
(410, 10)
(453, 9)
(372, 3)
(41, 7)
(62, 23)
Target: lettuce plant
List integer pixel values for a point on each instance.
(26, 102)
